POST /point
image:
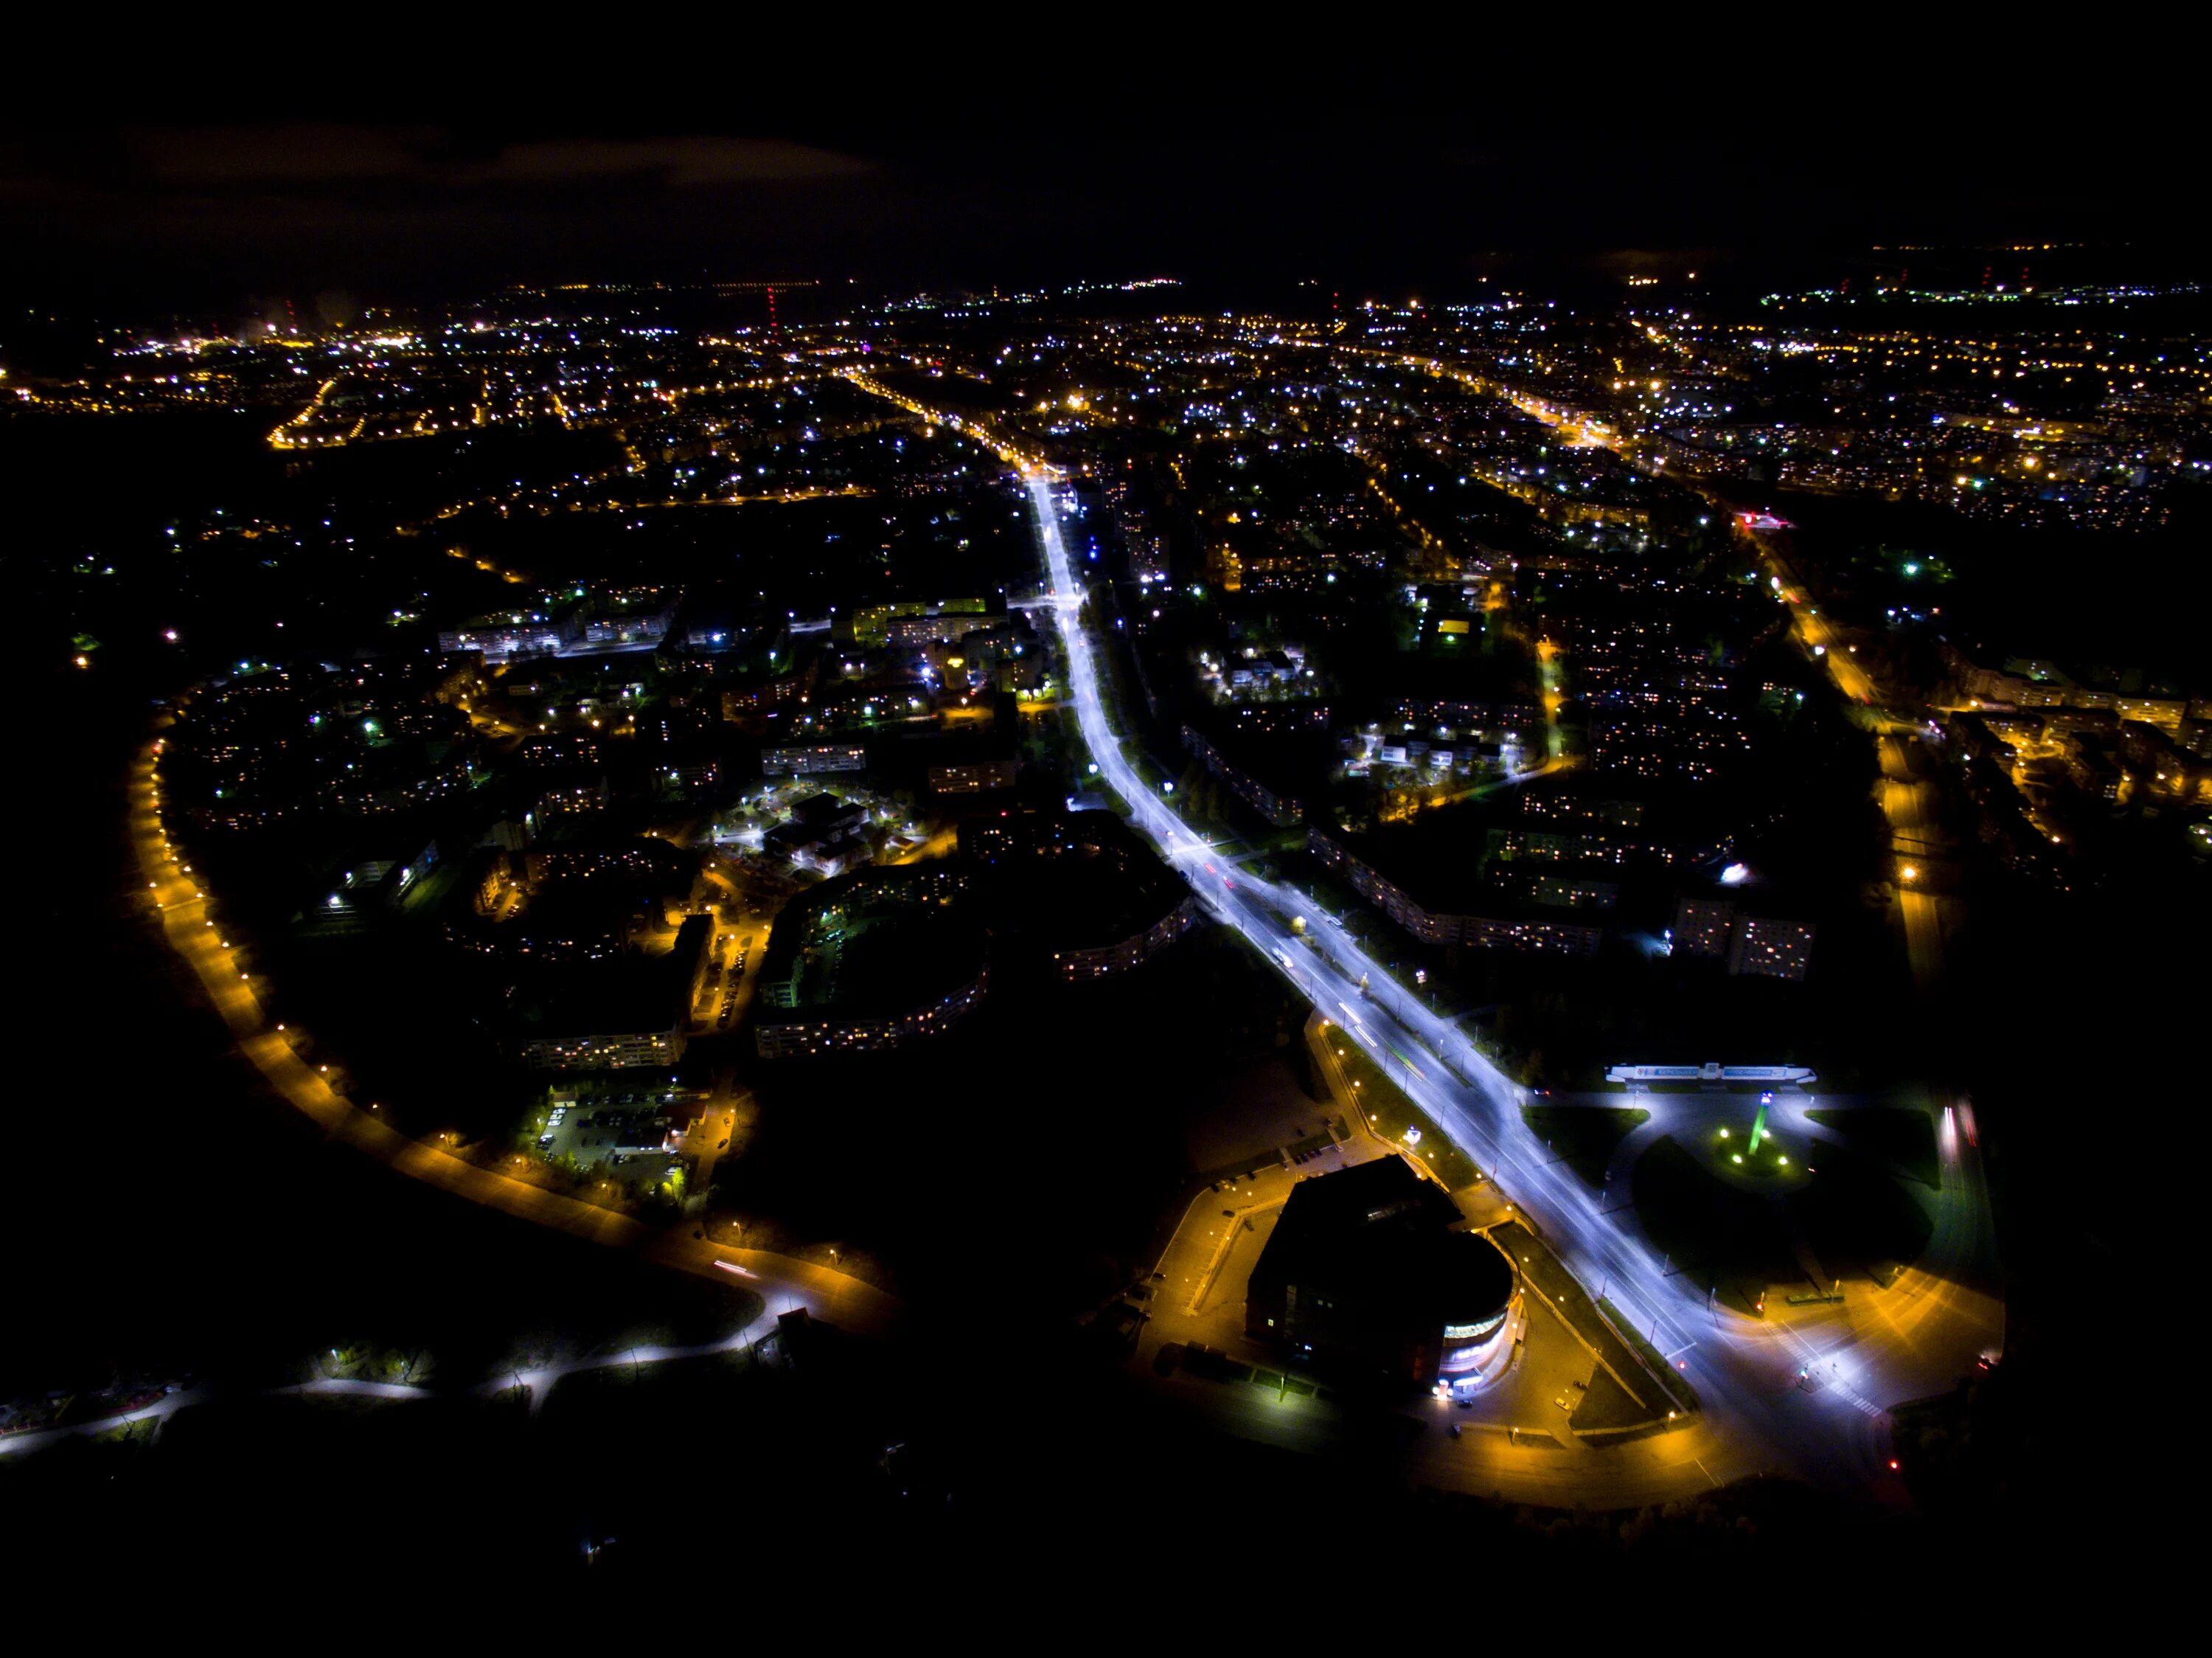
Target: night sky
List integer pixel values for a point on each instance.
(178, 216)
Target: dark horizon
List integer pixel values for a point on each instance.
(211, 217)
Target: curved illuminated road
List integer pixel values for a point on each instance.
(537, 1381)
(186, 920)
(1774, 1397)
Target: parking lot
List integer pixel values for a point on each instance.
(728, 986)
(623, 1128)
(1198, 1298)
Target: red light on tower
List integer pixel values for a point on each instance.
(771, 312)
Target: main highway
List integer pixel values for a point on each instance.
(1776, 1397)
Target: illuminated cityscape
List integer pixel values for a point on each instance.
(935, 903)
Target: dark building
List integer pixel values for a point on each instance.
(1518, 926)
(1081, 884)
(1369, 1273)
(824, 833)
(1703, 926)
(1277, 808)
(869, 961)
(1771, 947)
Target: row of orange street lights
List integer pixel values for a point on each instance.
(170, 854)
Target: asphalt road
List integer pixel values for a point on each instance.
(1916, 839)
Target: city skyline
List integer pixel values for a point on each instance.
(1222, 865)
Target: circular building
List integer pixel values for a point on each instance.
(1370, 1273)
(1475, 1288)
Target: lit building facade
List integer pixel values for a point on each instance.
(1369, 1273)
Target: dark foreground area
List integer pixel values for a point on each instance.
(172, 1222)
(958, 1473)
